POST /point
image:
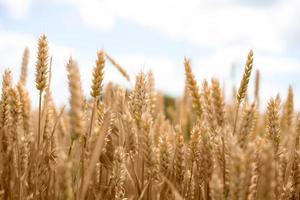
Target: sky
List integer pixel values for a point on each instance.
(141, 35)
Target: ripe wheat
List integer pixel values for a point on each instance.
(139, 144)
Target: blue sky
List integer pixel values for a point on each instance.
(143, 35)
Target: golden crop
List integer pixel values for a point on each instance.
(139, 144)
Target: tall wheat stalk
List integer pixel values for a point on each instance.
(243, 86)
(41, 76)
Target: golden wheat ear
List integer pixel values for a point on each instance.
(42, 63)
(246, 76)
(98, 75)
(24, 65)
(193, 87)
(76, 100)
(26, 109)
(97, 87)
(247, 124)
(138, 99)
(242, 92)
(179, 160)
(218, 102)
(15, 110)
(273, 122)
(4, 104)
(288, 112)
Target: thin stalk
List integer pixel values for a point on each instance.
(190, 181)
(84, 145)
(236, 117)
(70, 148)
(138, 187)
(82, 163)
(38, 146)
(95, 104)
(39, 120)
(207, 190)
(93, 160)
(149, 190)
(200, 195)
(224, 168)
(276, 176)
(96, 101)
(143, 171)
(100, 177)
(19, 170)
(107, 180)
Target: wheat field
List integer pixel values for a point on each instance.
(139, 144)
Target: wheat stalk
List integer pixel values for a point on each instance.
(243, 85)
(76, 101)
(41, 75)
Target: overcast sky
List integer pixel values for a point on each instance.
(157, 34)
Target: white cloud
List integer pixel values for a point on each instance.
(17, 8)
(205, 23)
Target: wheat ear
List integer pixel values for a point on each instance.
(243, 86)
(6, 85)
(247, 124)
(209, 107)
(273, 123)
(218, 102)
(179, 162)
(24, 65)
(193, 87)
(42, 63)
(137, 100)
(26, 108)
(76, 100)
(98, 76)
(288, 109)
(245, 80)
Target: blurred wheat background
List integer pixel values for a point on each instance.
(137, 100)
